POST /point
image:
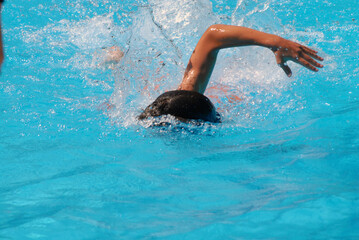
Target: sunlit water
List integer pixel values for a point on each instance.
(76, 164)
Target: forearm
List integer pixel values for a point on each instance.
(226, 36)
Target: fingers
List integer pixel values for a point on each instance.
(314, 56)
(304, 57)
(304, 48)
(306, 64)
(312, 61)
(281, 63)
(286, 69)
(311, 52)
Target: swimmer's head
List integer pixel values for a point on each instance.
(184, 105)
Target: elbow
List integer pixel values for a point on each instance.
(215, 29)
(213, 35)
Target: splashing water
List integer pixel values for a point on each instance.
(74, 153)
(157, 42)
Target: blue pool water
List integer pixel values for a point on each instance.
(76, 164)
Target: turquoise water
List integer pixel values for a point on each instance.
(75, 163)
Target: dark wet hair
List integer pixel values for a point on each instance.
(183, 105)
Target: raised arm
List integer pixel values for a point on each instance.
(216, 37)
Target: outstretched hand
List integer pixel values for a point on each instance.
(292, 51)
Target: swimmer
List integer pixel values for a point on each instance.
(1, 45)
(188, 101)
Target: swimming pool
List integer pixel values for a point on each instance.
(77, 165)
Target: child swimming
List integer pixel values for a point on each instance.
(188, 101)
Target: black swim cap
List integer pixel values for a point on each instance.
(182, 104)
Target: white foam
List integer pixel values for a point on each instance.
(157, 47)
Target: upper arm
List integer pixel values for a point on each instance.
(201, 63)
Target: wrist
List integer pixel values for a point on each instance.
(273, 42)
